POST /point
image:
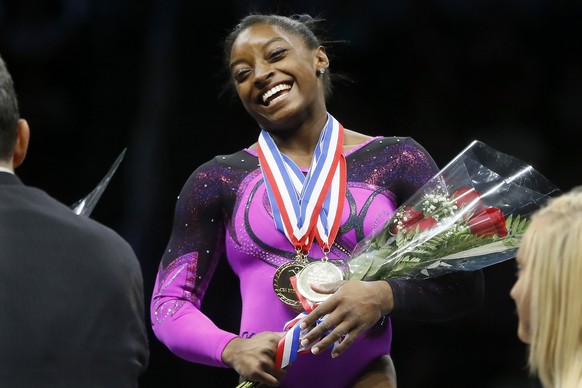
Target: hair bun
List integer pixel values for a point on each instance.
(303, 18)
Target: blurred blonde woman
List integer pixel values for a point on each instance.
(548, 291)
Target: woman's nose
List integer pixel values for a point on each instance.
(263, 72)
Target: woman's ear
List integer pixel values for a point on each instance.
(322, 61)
(22, 140)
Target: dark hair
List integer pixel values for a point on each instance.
(304, 26)
(8, 113)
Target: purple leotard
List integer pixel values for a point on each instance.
(224, 209)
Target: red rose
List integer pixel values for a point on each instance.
(488, 222)
(409, 216)
(467, 195)
(423, 224)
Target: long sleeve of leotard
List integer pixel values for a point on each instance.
(192, 253)
(440, 299)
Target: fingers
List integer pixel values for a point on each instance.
(340, 338)
(344, 316)
(330, 328)
(323, 308)
(325, 326)
(254, 358)
(334, 336)
(269, 378)
(319, 312)
(327, 288)
(317, 330)
(343, 345)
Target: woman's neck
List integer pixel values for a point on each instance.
(299, 144)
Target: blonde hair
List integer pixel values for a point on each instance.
(553, 248)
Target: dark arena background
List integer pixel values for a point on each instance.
(95, 77)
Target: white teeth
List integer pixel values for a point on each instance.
(274, 90)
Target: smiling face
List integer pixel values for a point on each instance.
(276, 76)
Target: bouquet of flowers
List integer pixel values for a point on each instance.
(471, 215)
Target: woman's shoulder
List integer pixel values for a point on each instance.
(221, 173)
(226, 167)
(242, 159)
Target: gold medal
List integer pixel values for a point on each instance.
(319, 272)
(282, 283)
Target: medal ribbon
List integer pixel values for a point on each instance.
(306, 206)
(289, 346)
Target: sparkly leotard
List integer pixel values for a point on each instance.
(224, 211)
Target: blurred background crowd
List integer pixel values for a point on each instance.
(96, 77)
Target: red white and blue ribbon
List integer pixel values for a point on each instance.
(306, 206)
(289, 346)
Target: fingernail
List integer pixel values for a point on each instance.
(304, 341)
(315, 350)
(302, 325)
(333, 355)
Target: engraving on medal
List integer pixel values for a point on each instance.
(317, 273)
(282, 283)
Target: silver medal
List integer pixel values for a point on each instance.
(319, 272)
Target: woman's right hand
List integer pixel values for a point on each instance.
(254, 358)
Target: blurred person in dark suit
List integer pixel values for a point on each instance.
(71, 289)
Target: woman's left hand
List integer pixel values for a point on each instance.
(353, 308)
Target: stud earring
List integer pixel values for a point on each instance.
(321, 71)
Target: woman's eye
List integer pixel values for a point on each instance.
(277, 53)
(240, 75)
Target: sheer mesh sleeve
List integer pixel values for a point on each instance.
(437, 300)
(195, 246)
